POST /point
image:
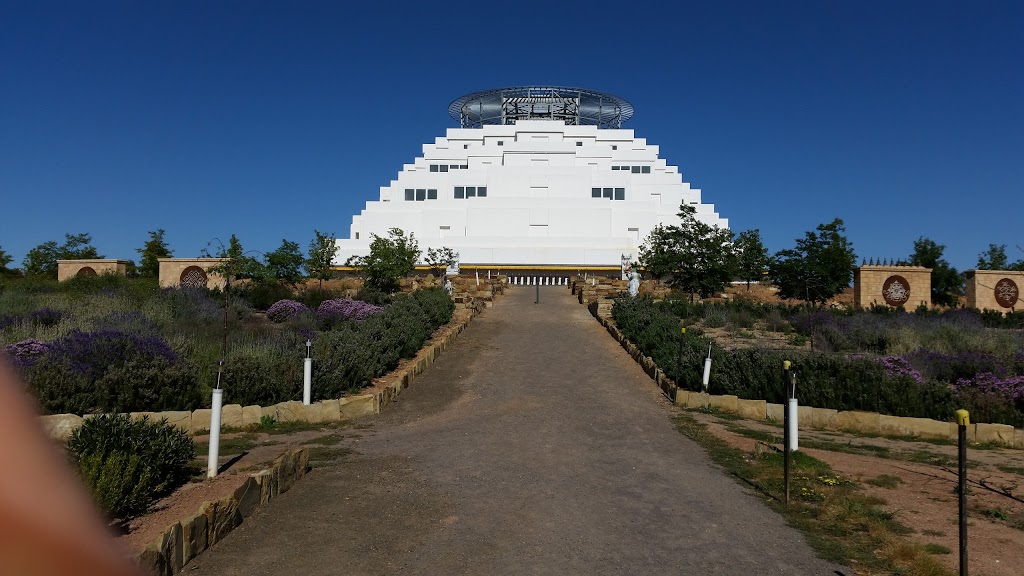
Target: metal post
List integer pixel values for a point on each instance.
(963, 420)
(307, 375)
(786, 364)
(537, 301)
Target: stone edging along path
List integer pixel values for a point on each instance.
(808, 417)
(182, 541)
(384, 391)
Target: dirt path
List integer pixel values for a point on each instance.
(534, 445)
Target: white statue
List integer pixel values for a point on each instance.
(634, 284)
(625, 265)
(448, 286)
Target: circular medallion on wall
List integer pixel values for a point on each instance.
(86, 271)
(1006, 293)
(896, 290)
(193, 277)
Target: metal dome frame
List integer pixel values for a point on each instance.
(574, 106)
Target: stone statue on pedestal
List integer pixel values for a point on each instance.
(634, 284)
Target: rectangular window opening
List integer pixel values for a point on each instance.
(410, 194)
(608, 193)
(433, 167)
(636, 170)
(465, 166)
(421, 194)
(645, 169)
(431, 194)
(460, 192)
(579, 143)
(620, 193)
(357, 235)
(444, 167)
(595, 192)
(501, 143)
(481, 191)
(470, 191)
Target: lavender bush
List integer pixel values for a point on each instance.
(284, 310)
(332, 312)
(25, 352)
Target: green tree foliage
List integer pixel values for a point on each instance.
(818, 268)
(994, 258)
(751, 256)
(5, 260)
(694, 256)
(154, 249)
(947, 283)
(285, 263)
(439, 259)
(321, 256)
(390, 260)
(42, 260)
(236, 264)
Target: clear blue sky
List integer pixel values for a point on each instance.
(269, 119)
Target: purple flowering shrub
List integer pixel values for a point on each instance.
(111, 371)
(332, 312)
(26, 352)
(896, 367)
(46, 316)
(284, 310)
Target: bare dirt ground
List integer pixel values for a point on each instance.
(924, 497)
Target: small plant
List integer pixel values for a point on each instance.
(886, 481)
(933, 548)
(798, 340)
(268, 422)
(127, 464)
(996, 514)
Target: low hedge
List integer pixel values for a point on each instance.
(824, 380)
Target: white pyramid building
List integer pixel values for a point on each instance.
(536, 178)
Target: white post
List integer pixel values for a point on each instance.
(793, 418)
(488, 274)
(307, 375)
(214, 454)
(477, 277)
(707, 373)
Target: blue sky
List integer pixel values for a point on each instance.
(269, 119)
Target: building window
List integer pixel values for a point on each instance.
(431, 194)
(465, 146)
(595, 192)
(433, 167)
(410, 194)
(501, 142)
(608, 193)
(481, 191)
(460, 192)
(620, 193)
(421, 194)
(614, 147)
(465, 166)
(579, 143)
(636, 169)
(444, 167)
(470, 191)
(646, 169)
(357, 235)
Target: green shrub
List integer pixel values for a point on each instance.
(128, 464)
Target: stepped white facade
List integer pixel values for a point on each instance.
(534, 193)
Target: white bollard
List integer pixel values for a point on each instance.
(707, 374)
(488, 274)
(307, 375)
(793, 418)
(214, 455)
(477, 277)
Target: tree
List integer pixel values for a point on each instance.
(695, 257)
(285, 263)
(236, 263)
(947, 283)
(321, 256)
(440, 259)
(751, 256)
(154, 249)
(818, 268)
(390, 260)
(5, 259)
(994, 258)
(42, 260)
